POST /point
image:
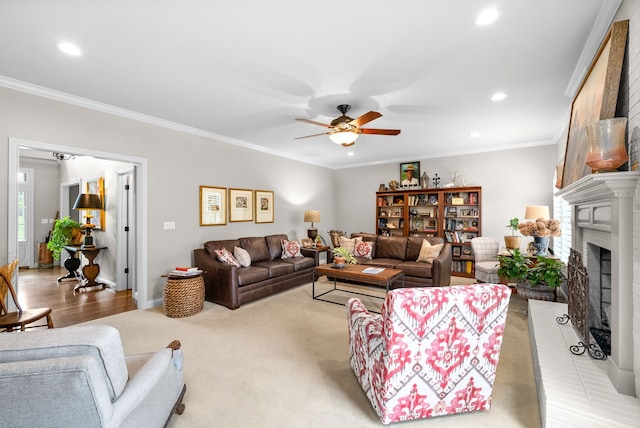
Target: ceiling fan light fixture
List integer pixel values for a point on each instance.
(344, 137)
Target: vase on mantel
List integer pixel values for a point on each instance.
(542, 244)
(606, 140)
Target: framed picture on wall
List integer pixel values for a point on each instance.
(96, 186)
(264, 206)
(240, 205)
(410, 174)
(213, 206)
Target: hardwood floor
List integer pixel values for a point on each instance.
(39, 287)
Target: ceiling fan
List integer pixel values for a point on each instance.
(345, 130)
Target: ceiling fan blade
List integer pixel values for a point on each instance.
(348, 144)
(314, 135)
(380, 131)
(313, 122)
(365, 118)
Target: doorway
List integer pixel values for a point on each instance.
(26, 242)
(140, 286)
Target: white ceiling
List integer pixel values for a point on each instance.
(243, 70)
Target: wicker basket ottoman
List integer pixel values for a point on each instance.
(183, 296)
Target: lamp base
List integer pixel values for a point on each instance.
(312, 233)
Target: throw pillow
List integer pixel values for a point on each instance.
(364, 249)
(242, 256)
(224, 256)
(429, 252)
(350, 243)
(290, 249)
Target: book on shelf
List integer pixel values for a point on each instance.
(185, 274)
(372, 270)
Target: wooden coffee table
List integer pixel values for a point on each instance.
(355, 273)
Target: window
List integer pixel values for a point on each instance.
(562, 243)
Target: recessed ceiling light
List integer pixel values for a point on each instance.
(474, 135)
(498, 96)
(69, 48)
(350, 154)
(487, 17)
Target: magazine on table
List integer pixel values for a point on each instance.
(373, 270)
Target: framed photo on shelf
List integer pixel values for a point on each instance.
(452, 212)
(466, 213)
(264, 206)
(456, 251)
(96, 186)
(240, 205)
(410, 174)
(213, 206)
(307, 242)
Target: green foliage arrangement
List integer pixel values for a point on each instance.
(62, 234)
(514, 266)
(513, 225)
(343, 252)
(547, 271)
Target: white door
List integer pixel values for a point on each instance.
(26, 242)
(125, 259)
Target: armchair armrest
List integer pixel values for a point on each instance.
(220, 280)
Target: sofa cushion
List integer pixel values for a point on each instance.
(242, 256)
(274, 243)
(349, 243)
(276, 268)
(252, 274)
(211, 246)
(300, 263)
(225, 256)
(417, 269)
(429, 252)
(364, 249)
(257, 248)
(382, 262)
(290, 249)
(100, 342)
(391, 247)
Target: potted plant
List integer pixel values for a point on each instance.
(65, 231)
(341, 256)
(512, 241)
(514, 267)
(542, 279)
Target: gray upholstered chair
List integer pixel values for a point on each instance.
(80, 377)
(485, 251)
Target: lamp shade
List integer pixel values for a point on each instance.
(534, 212)
(312, 216)
(343, 137)
(87, 201)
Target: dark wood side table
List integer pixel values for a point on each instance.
(90, 271)
(315, 253)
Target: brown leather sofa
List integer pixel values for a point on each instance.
(399, 252)
(268, 273)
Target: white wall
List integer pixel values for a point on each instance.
(510, 180)
(178, 164)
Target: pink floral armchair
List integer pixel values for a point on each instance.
(431, 352)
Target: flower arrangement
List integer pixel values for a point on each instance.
(540, 227)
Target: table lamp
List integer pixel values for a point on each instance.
(88, 201)
(311, 216)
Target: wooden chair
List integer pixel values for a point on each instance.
(22, 317)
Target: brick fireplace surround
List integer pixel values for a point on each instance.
(577, 390)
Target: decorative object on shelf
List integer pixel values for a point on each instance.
(382, 188)
(342, 256)
(596, 99)
(436, 181)
(393, 185)
(424, 180)
(512, 241)
(541, 229)
(606, 142)
(409, 173)
(66, 231)
(213, 206)
(263, 202)
(89, 202)
(240, 205)
(311, 216)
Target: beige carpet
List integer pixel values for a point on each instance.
(283, 362)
